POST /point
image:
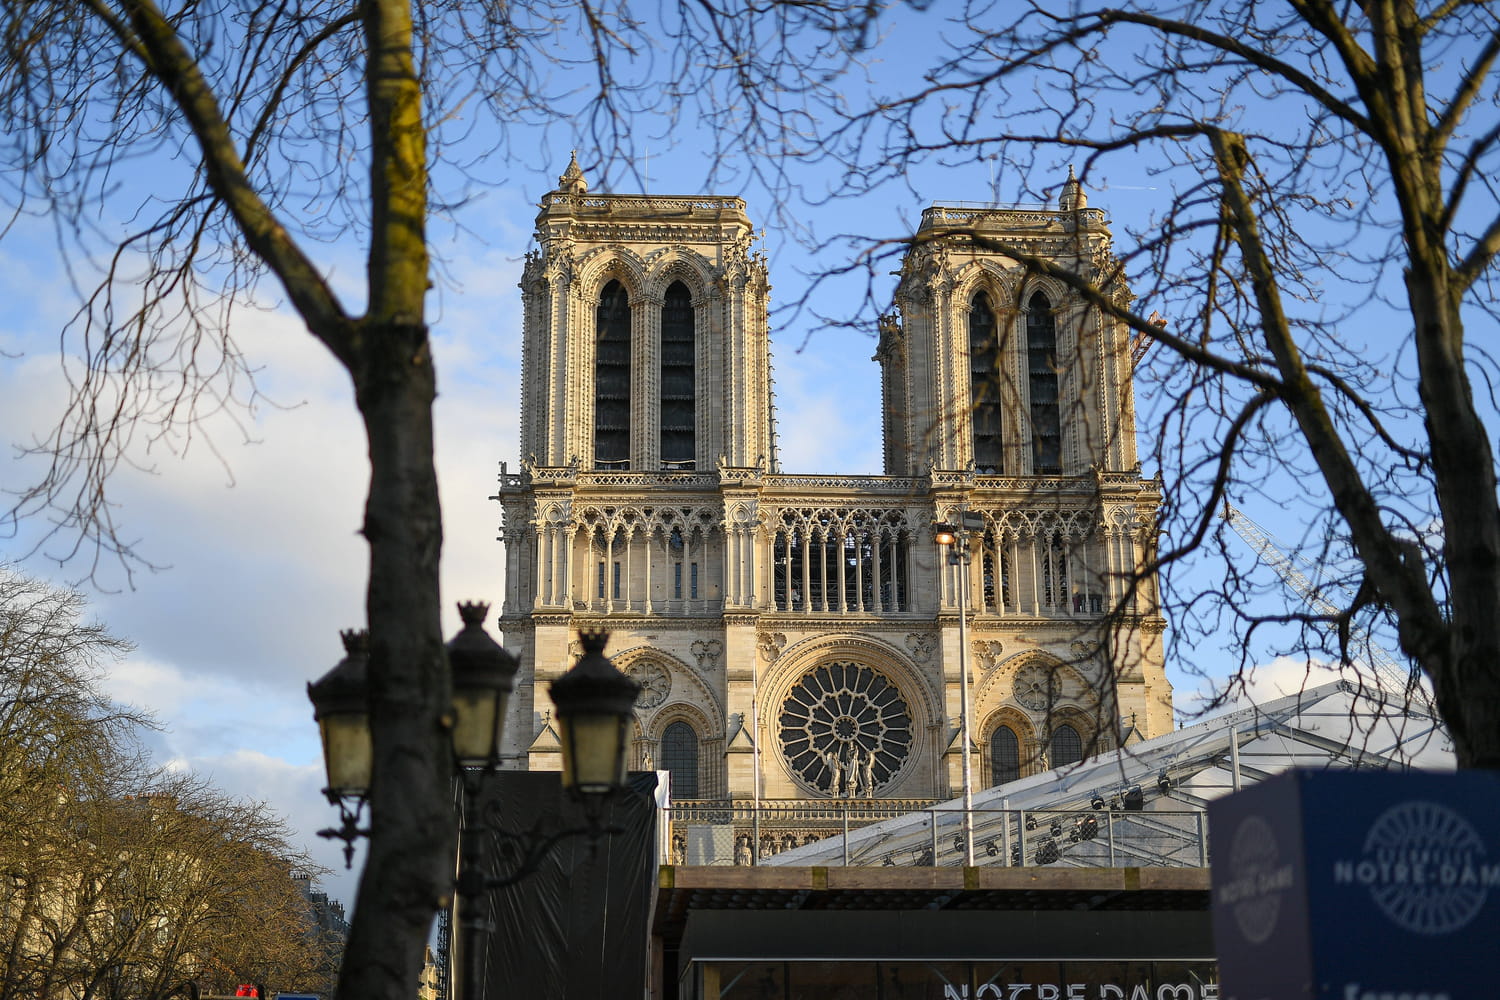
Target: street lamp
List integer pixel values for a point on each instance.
(595, 704)
(955, 538)
(341, 709)
(484, 675)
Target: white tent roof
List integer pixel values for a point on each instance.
(1144, 804)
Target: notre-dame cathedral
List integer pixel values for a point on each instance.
(797, 636)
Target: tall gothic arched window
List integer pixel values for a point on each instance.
(1041, 370)
(612, 379)
(678, 379)
(984, 384)
(1067, 746)
(679, 754)
(1005, 756)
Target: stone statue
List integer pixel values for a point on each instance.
(867, 773)
(836, 770)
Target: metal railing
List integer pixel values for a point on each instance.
(925, 833)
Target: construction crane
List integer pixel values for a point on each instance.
(1141, 344)
(1389, 675)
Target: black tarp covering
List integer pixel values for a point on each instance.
(579, 927)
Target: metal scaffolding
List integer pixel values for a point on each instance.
(1144, 805)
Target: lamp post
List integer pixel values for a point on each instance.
(483, 677)
(595, 703)
(341, 708)
(955, 538)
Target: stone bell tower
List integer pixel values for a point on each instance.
(798, 635)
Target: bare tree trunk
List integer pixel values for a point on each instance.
(1463, 664)
(410, 863)
(409, 870)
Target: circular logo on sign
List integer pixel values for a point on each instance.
(1424, 865)
(1257, 877)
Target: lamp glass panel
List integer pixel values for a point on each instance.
(478, 717)
(347, 752)
(593, 752)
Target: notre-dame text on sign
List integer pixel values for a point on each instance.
(1358, 886)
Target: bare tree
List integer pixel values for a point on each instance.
(119, 880)
(186, 152)
(141, 894)
(59, 737)
(1323, 228)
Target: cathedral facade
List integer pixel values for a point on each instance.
(799, 637)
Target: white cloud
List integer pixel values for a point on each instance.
(828, 408)
(258, 526)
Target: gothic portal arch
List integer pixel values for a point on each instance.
(1093, 733)
(1037, 682)
(670, 689)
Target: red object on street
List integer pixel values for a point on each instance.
(246, 990)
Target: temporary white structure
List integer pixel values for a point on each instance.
(1144, 804)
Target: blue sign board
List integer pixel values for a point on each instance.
(1342, 885)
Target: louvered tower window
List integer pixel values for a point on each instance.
(984, 384)
(678, 395)
(612, 379)
(679, 754)
(1005, 756)
(1041, 358)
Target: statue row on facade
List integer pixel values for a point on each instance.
(853, 777)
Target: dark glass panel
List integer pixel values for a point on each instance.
(1005, 756)
(984, 384)
(1067, 746)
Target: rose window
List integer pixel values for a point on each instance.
(845, 729)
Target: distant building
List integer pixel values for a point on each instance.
(812, 616)
(327, 925)
(327, 914)
(432, 983)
